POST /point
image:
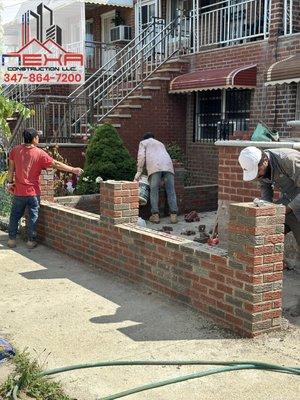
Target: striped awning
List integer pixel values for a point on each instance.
(284, 71)
(210, 79)
(119, 3)
(12, 12)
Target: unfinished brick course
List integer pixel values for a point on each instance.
(240, 290)
(231, 187)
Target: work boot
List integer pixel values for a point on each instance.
(173, 218)
(154, 218)
(11, 243)
(31, 244)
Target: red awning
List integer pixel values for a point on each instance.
(209, 79)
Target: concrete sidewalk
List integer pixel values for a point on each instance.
(68, 313)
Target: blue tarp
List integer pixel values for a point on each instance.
(6, 350)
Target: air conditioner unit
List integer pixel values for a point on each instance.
(120, 33)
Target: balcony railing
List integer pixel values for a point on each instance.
(96, 53)
(230, 22)
(288, 17)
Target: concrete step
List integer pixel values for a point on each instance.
(131, 106)
(177, 60)
(122, 116)
(114, 125)
(116, 115)
(140, 97)
(159, 78)
(152, 88)
(80, 135)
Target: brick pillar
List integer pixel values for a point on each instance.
(276, 20)
(255, 254)
(47, 185)
(119, 202)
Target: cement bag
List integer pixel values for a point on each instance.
(263, 134)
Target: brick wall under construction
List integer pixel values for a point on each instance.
(239, 289)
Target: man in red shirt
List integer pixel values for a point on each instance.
(26, 162)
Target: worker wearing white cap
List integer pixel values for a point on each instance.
(280, 169)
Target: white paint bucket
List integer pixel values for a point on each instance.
(144, 190)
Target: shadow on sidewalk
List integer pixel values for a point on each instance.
(156, 317)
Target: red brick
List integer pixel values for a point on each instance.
(272, 295)
(254, 308)
(276, 276)
(271, 314)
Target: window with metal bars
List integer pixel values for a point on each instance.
(218, 113)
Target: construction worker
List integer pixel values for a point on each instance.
(276, 169)
(159, 166)
(26, 162)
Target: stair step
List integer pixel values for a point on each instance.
(177, 60)
(119, 116)
(132, 106)
(113, 116)
(151, 88)
(159, 78)
(114, 125)
(78, 135)
(140, 97)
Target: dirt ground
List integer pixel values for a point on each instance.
(66, 312)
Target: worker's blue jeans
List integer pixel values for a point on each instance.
(19, 204)
(154, 181)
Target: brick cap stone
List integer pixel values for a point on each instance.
(250, 204)
(264, 145)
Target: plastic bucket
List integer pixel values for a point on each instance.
(144, 190)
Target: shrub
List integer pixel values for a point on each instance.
(175, 151)
(106, 157)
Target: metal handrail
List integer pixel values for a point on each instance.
(109, 90)
(137, 53)
(149, 51)
(19, 92)
(102, 69)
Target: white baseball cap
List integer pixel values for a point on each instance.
(249, 159)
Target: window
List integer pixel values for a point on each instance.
(218, 113)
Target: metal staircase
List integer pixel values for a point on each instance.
(19, 92)
(123, 77)
(127, 72)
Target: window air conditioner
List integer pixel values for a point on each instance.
(120, 33)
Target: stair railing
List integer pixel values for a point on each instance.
(109, 87)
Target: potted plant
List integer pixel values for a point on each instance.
(118, 20)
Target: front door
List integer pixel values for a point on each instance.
(91, 61)
(145, 11)
(108, 50)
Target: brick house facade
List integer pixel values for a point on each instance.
(189, 118)
(172, 116)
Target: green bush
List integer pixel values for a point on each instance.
(106, 157)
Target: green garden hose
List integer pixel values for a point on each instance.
(227, 366)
